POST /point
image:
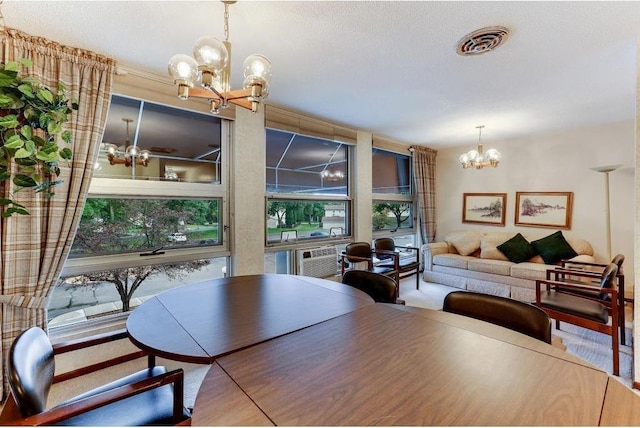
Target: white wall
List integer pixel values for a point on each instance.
(558, 162)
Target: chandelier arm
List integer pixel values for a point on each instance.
(242, 102)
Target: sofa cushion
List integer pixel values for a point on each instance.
(517, 249)
(553, 248)
(465, 242)
(452, 260)
(489, 245)
(529, 270)
(497, 267)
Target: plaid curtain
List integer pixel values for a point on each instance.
(34, 248)
(424, 169)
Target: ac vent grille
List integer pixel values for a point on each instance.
(321, 262)
(482, 41)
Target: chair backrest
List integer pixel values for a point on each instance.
(617, 260)
(30, 369)
(512, 314)
(380, 287)
(358, 249)
(607, 280)
(386, 244)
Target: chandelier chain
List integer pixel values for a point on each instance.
(226, 21)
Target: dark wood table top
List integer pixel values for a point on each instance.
(198, 323)
(389, 365)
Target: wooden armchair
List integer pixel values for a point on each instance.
(149, 397)
(591, 273)
(361, 252)
(571, 303)
(386, 248)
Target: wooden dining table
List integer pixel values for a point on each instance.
(200, 322)
(382, 364)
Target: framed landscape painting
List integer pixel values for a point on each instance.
(544, 209)
(484, 208)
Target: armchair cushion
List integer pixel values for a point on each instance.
(553, 248)
(517, 249)
(153, 406)
(574, 305)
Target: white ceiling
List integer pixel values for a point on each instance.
(389, 67)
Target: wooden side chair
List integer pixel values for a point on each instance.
(149, 397)
(519, 316)
(386, 247)
(380, 287)
(590, 273)
(568, 302)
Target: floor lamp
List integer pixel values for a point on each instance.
(606, 170)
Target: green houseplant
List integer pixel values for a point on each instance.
(32, 135)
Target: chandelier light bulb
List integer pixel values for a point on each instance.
(183, 69)
(210, 53)
(257, 66)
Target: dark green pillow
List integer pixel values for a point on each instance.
(553, 248)
(517, 249)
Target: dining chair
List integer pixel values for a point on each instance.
(381, 288)
(357, 253)
(405, 267)
(591, 273)
(151, 396)
(564, 301)
(513, 314)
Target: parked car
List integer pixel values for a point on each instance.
(177, 237)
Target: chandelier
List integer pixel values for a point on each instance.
(130, 155)
(210, 66)
(329, 175)
(477, 159)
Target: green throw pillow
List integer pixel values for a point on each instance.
(553, 248)
(517, 249)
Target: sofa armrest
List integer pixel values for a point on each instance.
(433, 249)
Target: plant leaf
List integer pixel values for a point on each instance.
(26, 62)
(14, 142)
(8, 76)
(45, 95)
(9, 121)
(22, 153)
(22, 180)
(47, 157)
(54, 127)
(26, 89)
(66, 136)
(66, 153)
(26, 132)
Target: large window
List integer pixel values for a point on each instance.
(182, 145)
(147, 226)
(307, 187)
(392, 207)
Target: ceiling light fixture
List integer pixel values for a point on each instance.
(129, 155)
(212, 69)
(477, 159)
(328, 175)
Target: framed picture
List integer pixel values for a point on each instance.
(544, 209)
(484, 208)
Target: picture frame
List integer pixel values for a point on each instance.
(544, 209)
(484, 208)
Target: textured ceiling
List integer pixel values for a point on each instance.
(389, 67)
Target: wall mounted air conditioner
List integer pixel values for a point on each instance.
(321, 262)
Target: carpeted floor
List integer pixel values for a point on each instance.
(591, 346)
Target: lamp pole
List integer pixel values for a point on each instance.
(606, 170)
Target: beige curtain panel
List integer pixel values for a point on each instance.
(424, 169)
(33, 248)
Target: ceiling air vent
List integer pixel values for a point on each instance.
(482, 40)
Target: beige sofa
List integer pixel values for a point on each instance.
(470, 260)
